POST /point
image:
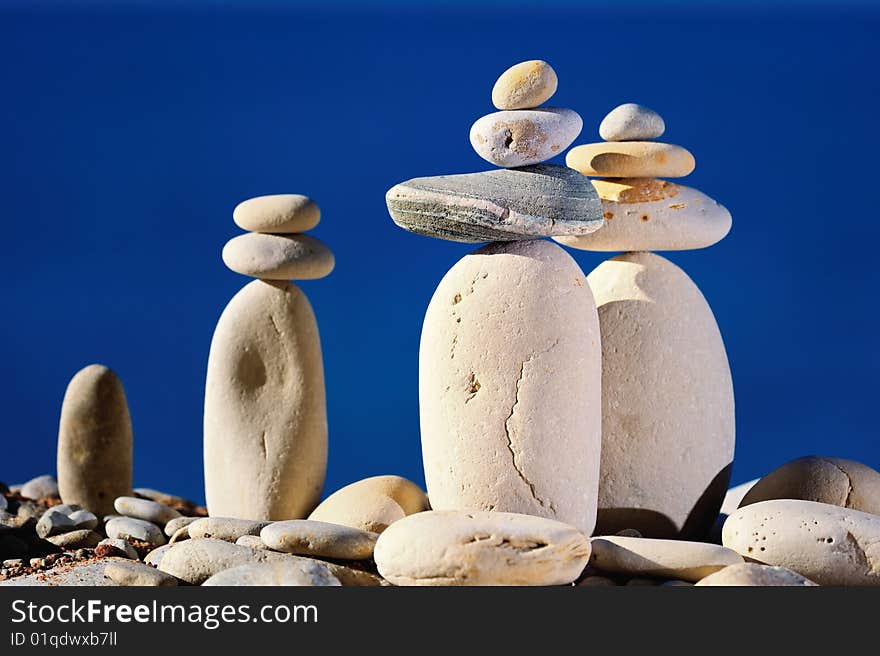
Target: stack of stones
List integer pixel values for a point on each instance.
(509, 368)
(265, 422)
(666, 382)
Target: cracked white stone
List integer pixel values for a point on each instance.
(827, 544)
(509, 385)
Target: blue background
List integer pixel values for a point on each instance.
(128, 136)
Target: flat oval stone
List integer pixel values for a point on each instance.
(631, 159)
(83, 519)
(673, 559)
(265, 433)
(448, 547)
(525, 85)
(827, 544)
(128, 528)
(755, 574)
(631, 122)
(510, 352)
(310, 538)
(40, 487)
(224, 528)
(526, 136)
(499, 205)
(277, 213)
(94, 441)
(372, 504)
(278, 257)
(666, 388)
(646, 214)
(79, 539)
(136, 574)
(835, 481)
(295, 573)
(144, 509)
(174, 525)
(197, 560)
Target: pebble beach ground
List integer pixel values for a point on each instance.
(577, 429)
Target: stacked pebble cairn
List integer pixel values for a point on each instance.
(553, 405)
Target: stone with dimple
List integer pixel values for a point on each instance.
(311, 538)
(827, 544)
(128, 528)
(679, 559)
(524, 137)
(755, 574)
(372, 504)
(278, 257)
(631, 159)
(631, 122)
(510, 353)
(224, 528)
(836, 481)
(137, 574)
(277, 213)
(293, 573)
(500, 205)
(453, 548)
(265, 425)
(525, 85)
(195, 561)
(94, 441)
(646, 214)
(144, 509)
(666, 389)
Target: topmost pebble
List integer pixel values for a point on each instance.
(631, 122)
(525, 85)
(277, 214)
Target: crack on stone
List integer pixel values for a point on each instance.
(473, 386)
(507, 431)
(275, 325)
(848, 482)
(452, 348)
(264, 446)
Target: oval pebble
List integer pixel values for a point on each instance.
(308, 537)
(827, 544)
(53, 522)
(277, 213)
(646, 214)
(525, 85)
(631, 122)
(631, 159)
(79, 539)
(835, 481)
(224, 528)
(83, 519)
(755, 574)
(452, 548)
(40, 487)
(144, 509)
(673, 559)
(278, 257)
(197, 560)
(294, 573)
(525, 137)
(372, 504)
(136, 574)
(116, 547)
(128, 528)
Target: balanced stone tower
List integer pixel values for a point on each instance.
(667, 394)
(265, 436)
(509, 362)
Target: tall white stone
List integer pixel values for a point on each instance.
(667, 400)
(509, 385)
(265, 424)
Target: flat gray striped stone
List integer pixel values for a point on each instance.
(501, 205)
